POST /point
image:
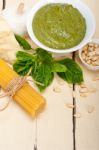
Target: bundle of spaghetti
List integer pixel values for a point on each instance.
(28, 98)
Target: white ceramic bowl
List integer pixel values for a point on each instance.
(85, 11)
(90, 67)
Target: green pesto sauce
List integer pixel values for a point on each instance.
(59, 26)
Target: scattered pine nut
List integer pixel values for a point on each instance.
(84, 90)
(90, 108)
(82, 85)
(96, 78)
(92, 90)
(77, 115)
(84, 94)
(57, 90)
(70, 105)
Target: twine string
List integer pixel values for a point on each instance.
(11, 89)
(13, 86)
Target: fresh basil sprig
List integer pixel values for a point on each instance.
(43, 66)
(24, 61)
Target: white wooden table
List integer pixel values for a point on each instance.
(53, 129)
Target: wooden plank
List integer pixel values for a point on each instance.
(87, 127)
(56, 120)
(17, 129)
(1, 5)
(55, 124)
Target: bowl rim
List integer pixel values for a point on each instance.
(90, 67)
(60, 51)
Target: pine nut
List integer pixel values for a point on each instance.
(84, 94)
(57, 90)
(83, 90)
(77, 115)
(70, 105)
(90, 108)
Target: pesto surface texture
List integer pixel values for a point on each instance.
(59, 26)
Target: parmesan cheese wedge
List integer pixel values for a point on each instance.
(8, 44)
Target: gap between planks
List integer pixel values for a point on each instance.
(4, 4)
(74, 111)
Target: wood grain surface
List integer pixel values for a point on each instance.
(55, 128)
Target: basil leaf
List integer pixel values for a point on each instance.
(42, 71)
(73, 74)
(23, 56)
(23, 63)
(21, 67)
(57, 67)
(42, 74)
(44, 56)
(43, 67)
(40, 64)
(23, 42)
